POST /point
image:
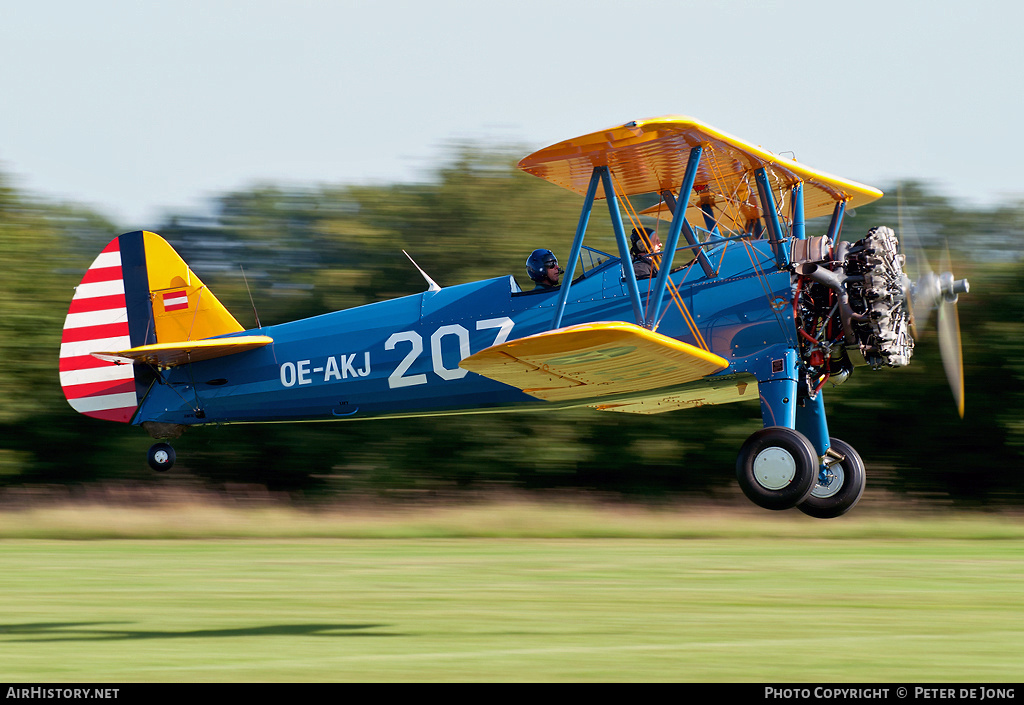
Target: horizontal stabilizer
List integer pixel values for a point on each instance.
(165, 355)
(594, 360)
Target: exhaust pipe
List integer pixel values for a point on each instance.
(835, 282)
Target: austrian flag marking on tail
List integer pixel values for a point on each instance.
(175, 300)
(98, 320)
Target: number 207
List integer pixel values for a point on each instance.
(399, 378)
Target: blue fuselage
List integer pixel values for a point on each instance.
(401, 357)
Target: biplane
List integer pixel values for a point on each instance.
(741, 305)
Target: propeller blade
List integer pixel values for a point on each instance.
(928, 291)
(951, 350)
(948, 326)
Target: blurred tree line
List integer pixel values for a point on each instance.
(296, 252)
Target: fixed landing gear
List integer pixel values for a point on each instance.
(161, 457)
(777, 468)
(839, 488)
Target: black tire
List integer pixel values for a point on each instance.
(777, 468)
(843, 491)
(161, 457)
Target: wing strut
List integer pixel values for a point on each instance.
(601, 175)
(652, 323)
(678, 222)
(577, 246)
(799, 229)
(620, 238)
(835, 226)
(771, 218)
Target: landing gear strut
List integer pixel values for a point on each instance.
(161, 457)
(777, 468)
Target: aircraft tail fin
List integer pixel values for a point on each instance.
(138, 291)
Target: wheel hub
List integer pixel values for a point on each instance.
(829, 482)
(774, 468)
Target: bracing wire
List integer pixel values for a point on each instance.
(195, 313)
(634, 219)
(733, 202)
(249, 291)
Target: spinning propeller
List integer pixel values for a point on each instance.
(927, 291)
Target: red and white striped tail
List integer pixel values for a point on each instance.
(98, 320)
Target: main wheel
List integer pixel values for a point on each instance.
(777, 467)
(161, 456)
(835, 494)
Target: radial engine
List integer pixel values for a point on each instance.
(852, 306)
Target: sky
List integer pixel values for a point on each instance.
(142, 108)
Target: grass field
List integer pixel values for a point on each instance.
(507, 593)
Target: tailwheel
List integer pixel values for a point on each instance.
(839, 487)
(777, 468)
(161, 456)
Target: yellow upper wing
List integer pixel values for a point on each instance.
(594, 360)
(648, 156)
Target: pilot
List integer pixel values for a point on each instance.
(644, 243)
(542, 267)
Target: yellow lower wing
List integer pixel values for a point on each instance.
(594, 360)
(708, 392)
(165, 355)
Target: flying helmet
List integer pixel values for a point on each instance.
(638, 243)
(538, 262)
